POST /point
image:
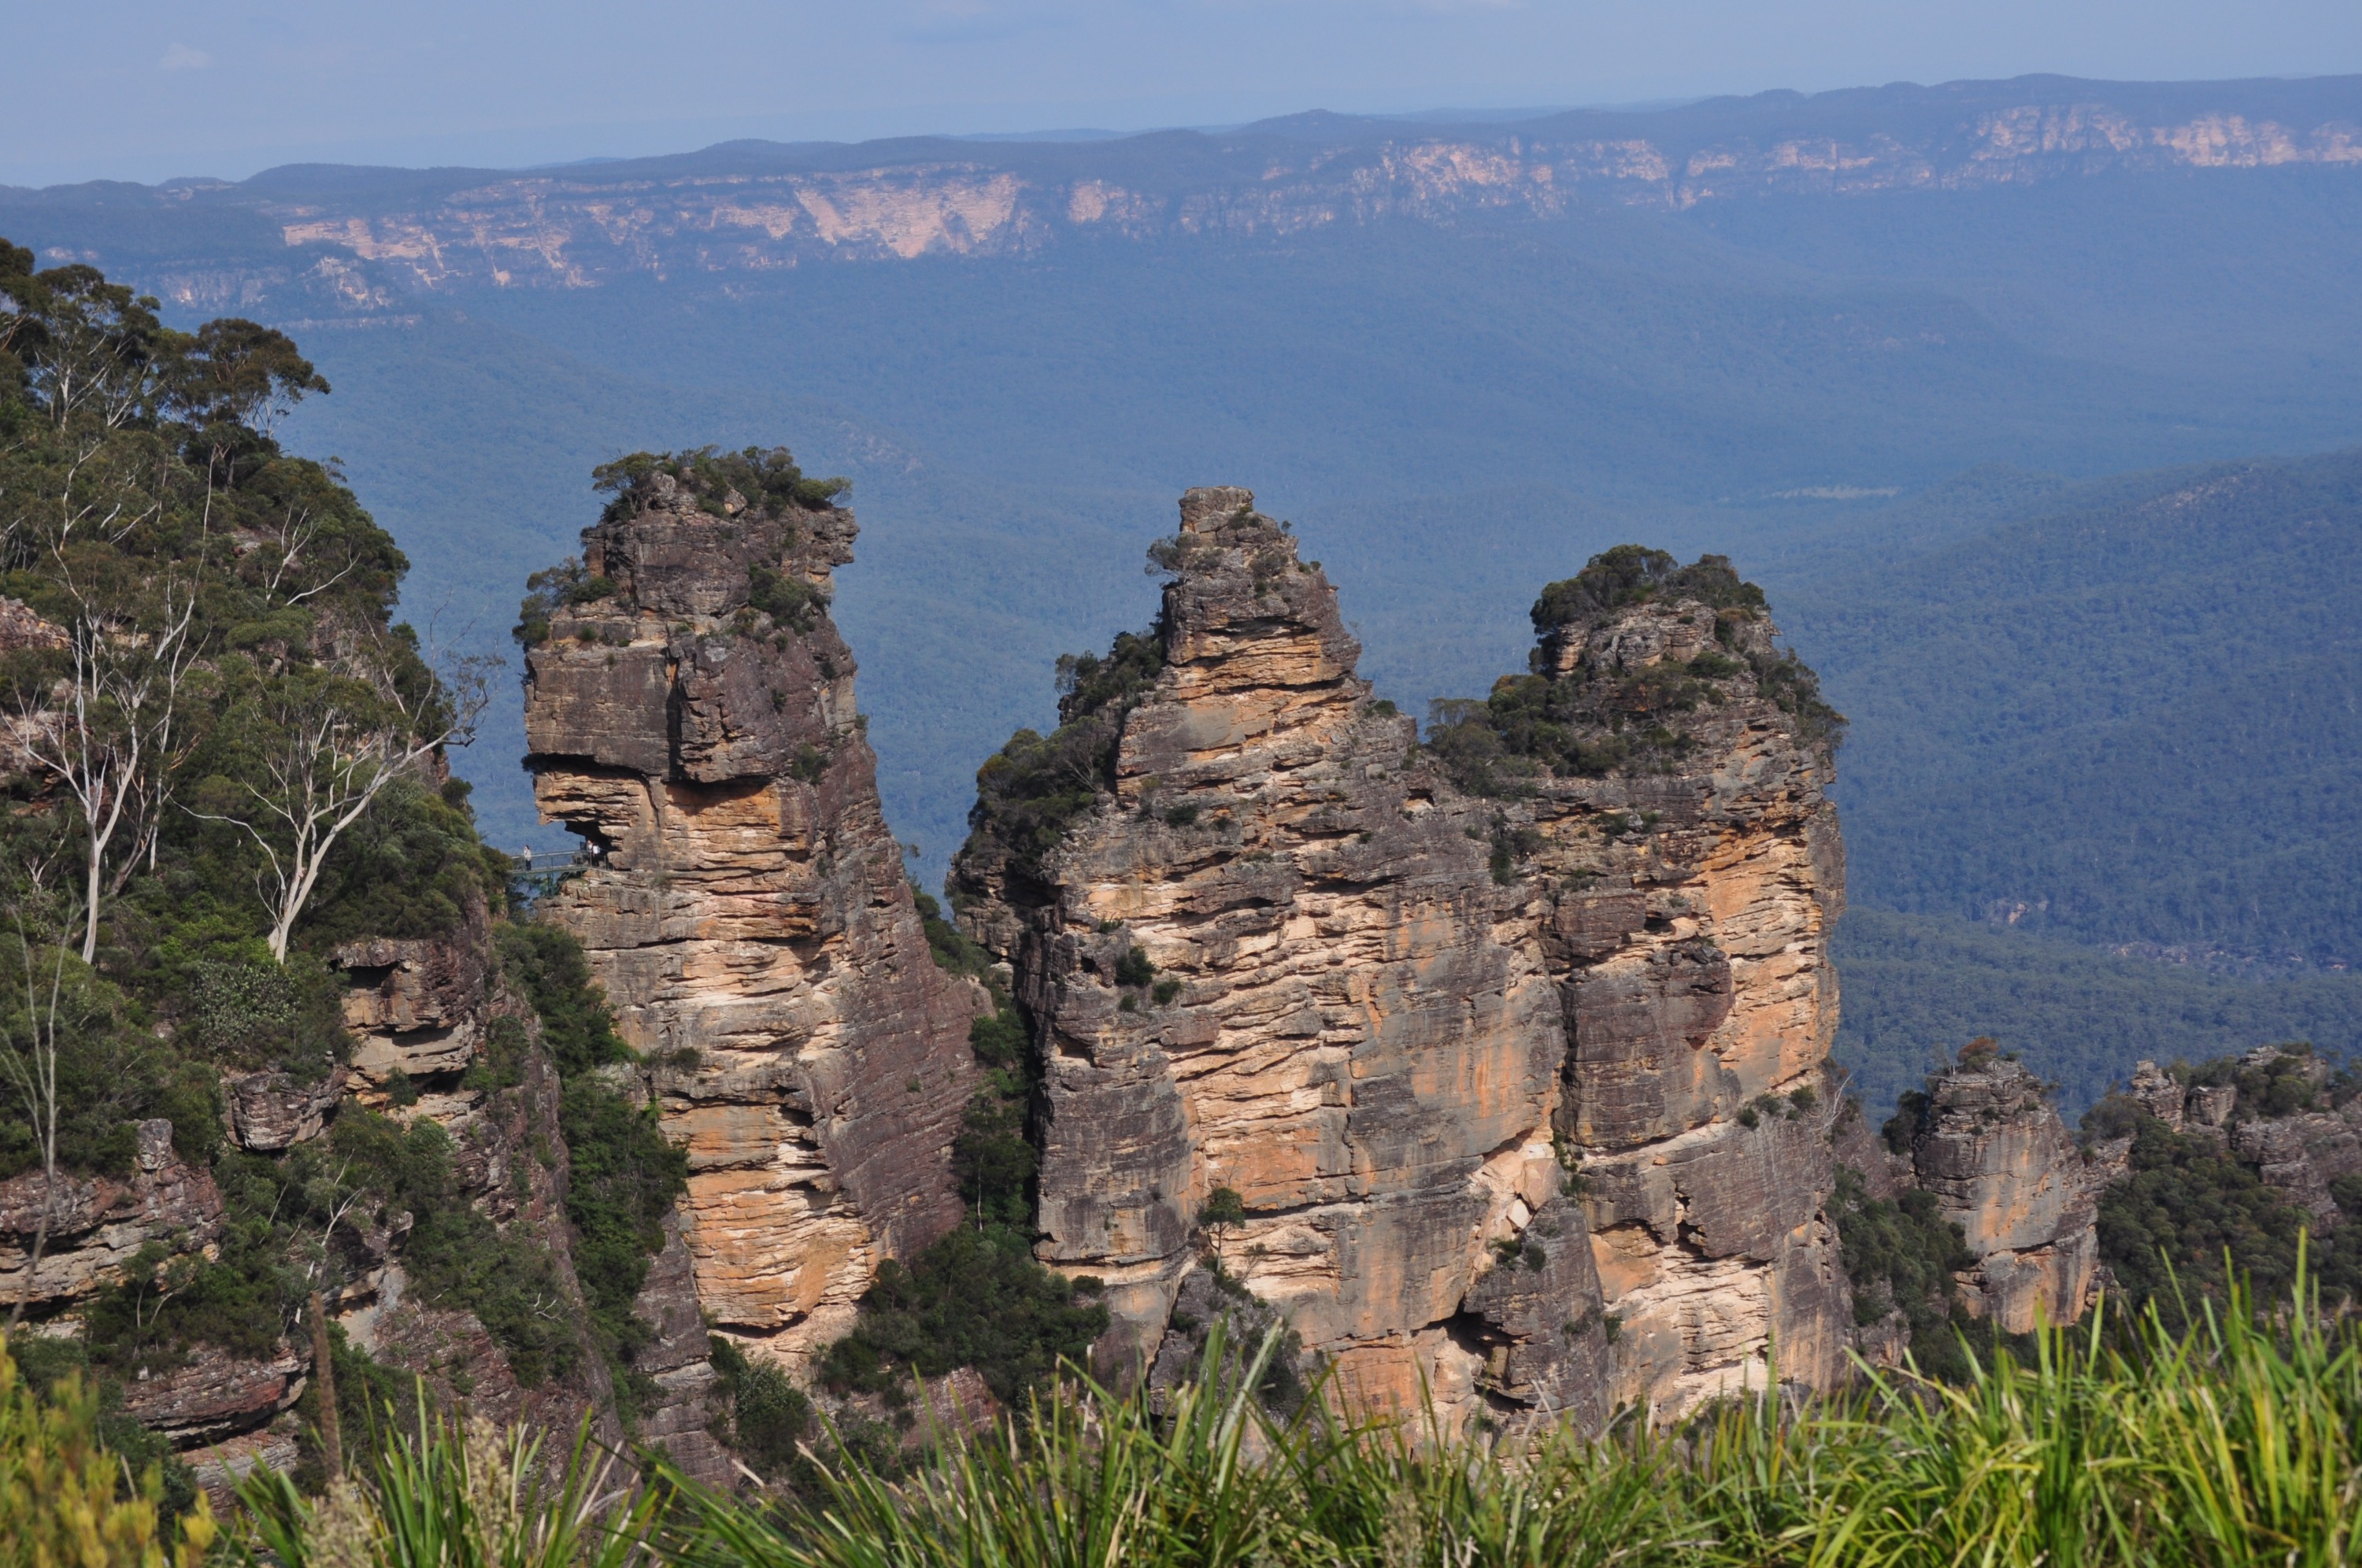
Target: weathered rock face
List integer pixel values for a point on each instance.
(1990, 1146)
(2276, 1112)
(676, 1359)
(1393, 1016)
(96, 1224)
(745, 907)
(1683, 877)
(416, 1009)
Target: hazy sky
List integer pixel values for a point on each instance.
(151, 89)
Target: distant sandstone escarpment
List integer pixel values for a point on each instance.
(1498, 1066)
(690, 709)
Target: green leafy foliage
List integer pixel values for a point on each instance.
(1593, 722)
(83, 1486)
(375, 1404)
(2117, 713)
(786, 598)
(766, 1417)
(111, 1075)
(223, 607)
(454, 1253)
(1028, 792)
(952, 949)
(992, 1158)
(547, 963)
(58, 1370)
(2066, 1448)
(546, 593)
(2187, 1211)
(413, 866)
(1635, 574)
(1898, 1254)
(975, 1299)
(752, 475)
(624, 1175)
(992, 1161)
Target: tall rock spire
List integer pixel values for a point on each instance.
(1512, 1047)
(1662, 780)
(690, 714)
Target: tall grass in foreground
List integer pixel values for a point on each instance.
(2232, 1445)
(463, 1496)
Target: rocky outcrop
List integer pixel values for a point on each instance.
(215, 1395)
(1987, 1141)
(98, 1224)
(2278, 1109)
(1679, 869)
(273, 1110)
(1277, 950)
(691, 715)
(416, 1009)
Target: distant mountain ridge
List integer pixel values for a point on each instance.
(1916, 358)
(366, 235)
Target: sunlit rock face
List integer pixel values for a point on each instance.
(1492, 1073)
(1988, 1144)
(1681, 871)
(746, 909)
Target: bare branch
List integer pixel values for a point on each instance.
(329, 769)
(30, 1064)
(110, 744)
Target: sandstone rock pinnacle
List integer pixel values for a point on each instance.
(690, 714)
(1514, 1057)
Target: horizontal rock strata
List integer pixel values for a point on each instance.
(96, 1225)
(1279, 951)
(746, 911)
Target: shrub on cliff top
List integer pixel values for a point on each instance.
(1591, 723)
(1033, 789)
(755, 473)
(552, 590)
(1634, 574)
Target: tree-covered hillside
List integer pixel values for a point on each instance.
(1919, 986)
(270, 1052)
(2124, 716)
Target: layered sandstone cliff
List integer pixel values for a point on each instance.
(1987, 1141)
(1685, 874)
(1522, 1094)
(691, 715)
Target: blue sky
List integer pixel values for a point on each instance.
(148, 89)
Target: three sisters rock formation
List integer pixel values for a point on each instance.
(1512, 1046)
